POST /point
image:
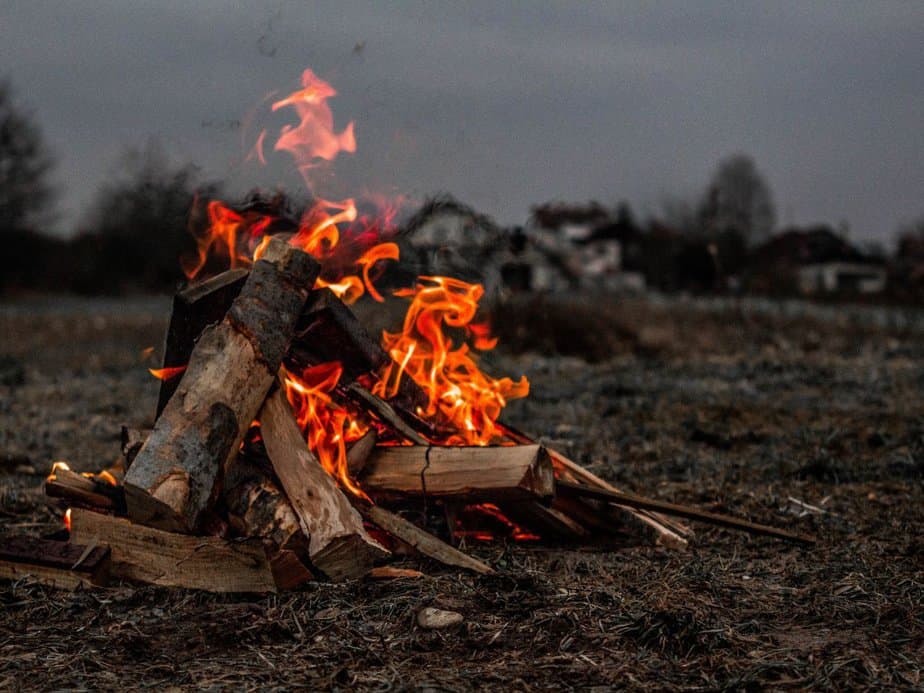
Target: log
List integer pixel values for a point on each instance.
(339, 546)
(194, 308)
(329, 331)
(85, 491)
(610, 497)
(53, 563)
(423, 541)
(548, 522)
(359, 451)
(513, 473)
(384, 412)
(172, 481)
(257, 507)
(148, 555)
(670, 536)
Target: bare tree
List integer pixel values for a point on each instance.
(738, 199)
(25, 192)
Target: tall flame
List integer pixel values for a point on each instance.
(457, 389)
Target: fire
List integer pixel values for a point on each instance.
(329, 427)
(458, 390)
(168, 373)
(67, 519)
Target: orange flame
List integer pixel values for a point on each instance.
(67, 519)
(328, 426)
(457, 389)
(168, 373)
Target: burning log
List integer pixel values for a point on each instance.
(84, 491)
(144, 554)
(195, 308)
(513, 473)
(172, 480)
(54, 563)
(550, 522)
(339, 546)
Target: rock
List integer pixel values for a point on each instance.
(434, 619)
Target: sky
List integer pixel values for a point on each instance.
(502, 104)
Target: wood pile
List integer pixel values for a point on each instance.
(206, 503)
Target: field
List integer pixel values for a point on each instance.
(809, 424)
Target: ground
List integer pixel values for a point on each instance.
(807, 424)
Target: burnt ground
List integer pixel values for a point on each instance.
(739, 413)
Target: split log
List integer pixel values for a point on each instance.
(233, 365)
(195, 308)
(384, 412)
(359, 451)
(53, 563)
(423, 541)
(84, 491)
(516, 472)
(148, 555)
(339, 546)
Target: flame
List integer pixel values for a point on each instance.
(458, 391)
(67, 519)
(314, 137)
(168, 373)
(329, 427)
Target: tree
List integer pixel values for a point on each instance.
(136, 230)
(25, 192)
(738, 199)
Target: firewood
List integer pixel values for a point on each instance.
(145, 554)
(359, 451)
(257, 507)
(339, 546)
(548, 522)
(53, 563)
(84, 491)
(383, 411)
(580, 491)
(423, 541)
(289, 571)
(329, 331)
(194, 308)
(172, 481)
(517, 472)
(664, 532)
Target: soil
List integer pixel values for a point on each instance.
(814, 426)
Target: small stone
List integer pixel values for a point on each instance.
(437, 618)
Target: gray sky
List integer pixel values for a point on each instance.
(502, 104)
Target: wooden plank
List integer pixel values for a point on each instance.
(171, 482)
(572, 490)
(517, 472)
(339, 546)
(423, 541)
(84, 491)
(145, 554)
(53, 563)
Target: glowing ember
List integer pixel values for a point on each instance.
(458, 390)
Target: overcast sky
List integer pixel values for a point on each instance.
(502, 104)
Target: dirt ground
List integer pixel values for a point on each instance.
(816, 427)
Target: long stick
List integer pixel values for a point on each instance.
(567, 489)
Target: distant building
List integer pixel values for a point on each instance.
(815, 261)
